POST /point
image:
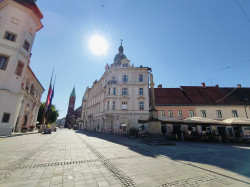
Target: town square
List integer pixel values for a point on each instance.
(124, 93)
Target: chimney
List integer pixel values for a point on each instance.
(159, 86)
(203, 84)
(238, 85)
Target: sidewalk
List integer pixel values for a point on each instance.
(20, 134)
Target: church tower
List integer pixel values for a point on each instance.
(71, 108)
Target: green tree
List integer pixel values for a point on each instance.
(53, 113)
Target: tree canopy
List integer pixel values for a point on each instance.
(53, 113)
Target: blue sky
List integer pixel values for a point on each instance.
(185, 42)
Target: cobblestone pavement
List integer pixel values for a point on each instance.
(70, 158)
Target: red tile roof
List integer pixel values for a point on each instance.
(209, 96)
(170, 96)
(195, 95)
(31, 4)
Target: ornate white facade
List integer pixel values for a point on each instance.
(119, 99)
(20, 91)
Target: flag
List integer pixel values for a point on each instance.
(51, 97)
(49, 93)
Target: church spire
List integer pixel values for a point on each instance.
(73, 93)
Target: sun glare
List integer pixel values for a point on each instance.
(98, 45)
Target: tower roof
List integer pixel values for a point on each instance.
(119, 56)
(31, 4)
(73, 93)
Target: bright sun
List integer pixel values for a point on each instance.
(98, 45)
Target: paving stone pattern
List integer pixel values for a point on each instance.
(70, 158)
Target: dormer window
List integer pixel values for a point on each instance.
(125, 65)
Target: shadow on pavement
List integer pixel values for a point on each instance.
(231, 157)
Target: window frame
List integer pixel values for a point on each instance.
(141, 105)
(125, 78)
(191, 113)
(6, 62)
(203, 113)
(141, 91)
(114, 91)
(10, 33)
(179, 114)
(140, 78)
(26, 45)
(18, 71)
(235, 114)
(162, 113)
(124, 91)
(170, 113)
(3, 119)
(113, 105)
(218, 114)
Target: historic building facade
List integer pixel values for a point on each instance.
(118, 99)
(20, 90)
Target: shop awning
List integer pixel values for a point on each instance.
(170, 120)
(200, 120)
(237, 121)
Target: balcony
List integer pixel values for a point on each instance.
(111, 82)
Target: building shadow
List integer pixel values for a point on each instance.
(231, 157)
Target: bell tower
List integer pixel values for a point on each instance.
(71, 108)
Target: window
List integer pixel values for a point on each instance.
(3, 62)
(191, 113)
(108, 91)
(203, 113)
(218, 114)
(235, 113)
(124, 105)
(26, 45)
(6, 117)
(140, 78)
(113, 106)
(141, 105)
(125, 78)
(170, 113)
(140, 91)
(180, 114)
(124, 91)
(125, 65)
(162, 113)
(19, 69)
(108, 105)
(10, 36)
(114, 91)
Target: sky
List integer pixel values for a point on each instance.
(185, 42)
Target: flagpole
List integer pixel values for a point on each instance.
(44, 110)
(50, 103)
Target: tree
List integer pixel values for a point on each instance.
(53, 113)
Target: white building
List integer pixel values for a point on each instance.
(119, 99)
(20, 90)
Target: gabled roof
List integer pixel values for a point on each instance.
(243, 94)
(170, 96)
(209, 96)
(31, 4)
